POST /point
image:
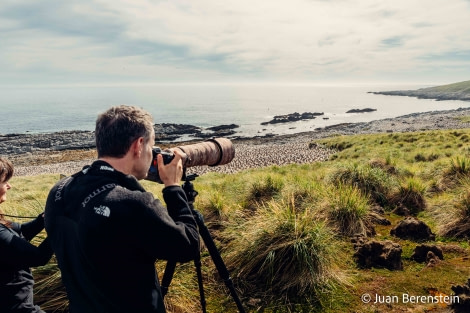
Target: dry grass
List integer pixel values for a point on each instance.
(51, 157)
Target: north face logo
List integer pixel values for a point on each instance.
(102, 210)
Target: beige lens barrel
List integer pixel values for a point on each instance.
(213, 152)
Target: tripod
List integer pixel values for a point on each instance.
(191, 194)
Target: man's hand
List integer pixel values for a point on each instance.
(171, 173)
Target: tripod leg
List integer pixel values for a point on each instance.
(209, 242)
(202, 297)
(167, 277)
(217, 259)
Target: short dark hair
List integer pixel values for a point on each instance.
(6, 170)
(118, 127)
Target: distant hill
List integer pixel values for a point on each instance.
(457, 91)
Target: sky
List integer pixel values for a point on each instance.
(227, 41)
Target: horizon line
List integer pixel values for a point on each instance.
(228, 83)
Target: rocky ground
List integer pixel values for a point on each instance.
(250, 152)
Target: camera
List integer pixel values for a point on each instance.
(212, 152)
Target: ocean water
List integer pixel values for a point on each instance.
(56, 108)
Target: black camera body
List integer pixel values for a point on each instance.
(167, 155)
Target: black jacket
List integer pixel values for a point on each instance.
(107, 232)
(17, 256)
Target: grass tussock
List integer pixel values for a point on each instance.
(266, 189)
(287, 253)
(387, 165)
(455, 170)
(457, 221)
(263, 190)
(372, 181)
(215, 208)
(411, 194)
(460, 166)
(346, 209)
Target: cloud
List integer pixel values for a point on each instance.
(393, 42)
(204, 40)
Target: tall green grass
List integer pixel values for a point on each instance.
(283, 231)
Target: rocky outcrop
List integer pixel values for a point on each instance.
(293, 117)
(413, 229)
(223, 127)
(463, 294)
(366, 110)
(420, 253)
(170, 132)
(220, 131)
(65, 140)
(378, 254)
(12, 144)
(432, 259)
(377, 216)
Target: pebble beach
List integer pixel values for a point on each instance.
(281, 150)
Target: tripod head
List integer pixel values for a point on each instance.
(188, 188)
(191, 177)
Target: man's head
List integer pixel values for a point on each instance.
(118, 127)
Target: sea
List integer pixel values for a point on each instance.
(45, 109)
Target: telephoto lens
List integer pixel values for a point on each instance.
(212, 152)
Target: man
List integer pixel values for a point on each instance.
(107, 231)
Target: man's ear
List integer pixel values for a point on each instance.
(137, 146)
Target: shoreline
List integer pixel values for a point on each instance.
(445, 119)
(254, 151)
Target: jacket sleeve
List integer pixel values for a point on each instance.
(32, 228)
(171, 233)
(21, 253)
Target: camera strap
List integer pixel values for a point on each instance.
(18, 216)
